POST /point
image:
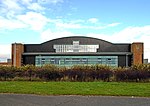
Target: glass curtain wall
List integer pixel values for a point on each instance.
(76, 60)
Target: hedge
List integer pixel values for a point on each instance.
(137, 73)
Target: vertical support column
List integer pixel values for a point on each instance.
(127, 60)
(137, 48)
(17, 50)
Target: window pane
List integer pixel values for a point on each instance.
(75, 60)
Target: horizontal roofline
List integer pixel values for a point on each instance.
(80, 53)
(122, 43)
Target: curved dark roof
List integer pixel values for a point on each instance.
(75, 38)
(104, 46)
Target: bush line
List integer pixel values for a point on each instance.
(136, 73)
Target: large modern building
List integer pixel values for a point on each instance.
(68, 51)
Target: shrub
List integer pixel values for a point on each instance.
(48, 72)
(120, 74)
(7, 72)
(89, 73)
(76, 73)
(142, 72)
(103, 72)
(134, 73)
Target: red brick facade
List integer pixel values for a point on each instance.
(17, 50)
(137, 48)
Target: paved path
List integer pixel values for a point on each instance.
(35, 100)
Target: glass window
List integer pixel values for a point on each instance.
(75, 60)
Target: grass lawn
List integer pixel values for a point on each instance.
(76, 88)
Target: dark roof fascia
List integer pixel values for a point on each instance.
(32, 44)
(81, 53)
(122, 43)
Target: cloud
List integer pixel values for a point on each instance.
(93, 20)
(11, 24)
(35, 21)
(20, 15)
(69, 25)
(35, 7)
(6, 48)
(11, 4)
(82, 24)
(48, 34)
(32, 20)
(50, 1)
(26, 2)
(113, 24)
(6, 52)
(9, 8)
(132, 33)
(18, 7)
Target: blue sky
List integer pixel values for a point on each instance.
(37, 21)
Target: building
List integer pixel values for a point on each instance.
(68, 51)
(8, 63)
(145, 61)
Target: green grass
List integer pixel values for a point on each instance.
(76, 88)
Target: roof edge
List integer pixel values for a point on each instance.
(77, 37)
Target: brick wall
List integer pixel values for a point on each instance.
(17, 50)
(137, 48)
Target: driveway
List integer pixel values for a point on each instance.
(36, 100)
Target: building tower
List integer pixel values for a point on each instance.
(137, 48)
(17, 50)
